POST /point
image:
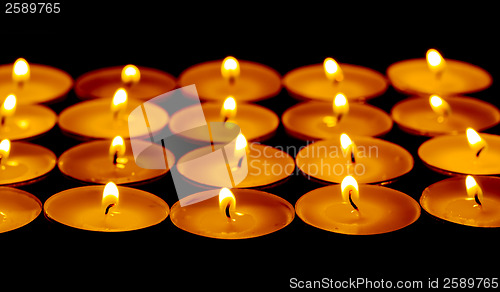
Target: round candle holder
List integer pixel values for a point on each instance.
(359, 83)
(18, 208)
(28, 121)
(381, 210)
(413, 77)
(376, 161)
(91, 162)
(448, 200)
(451, 155)
(257, 213)
(311, 121)
(255, 81)
(257, 123)
(45, 84)
(26, 164)
(81, 208)
(93, 119)
(266, 166)
(416, 116)
(103, 83)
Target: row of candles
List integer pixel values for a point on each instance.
(334, 113)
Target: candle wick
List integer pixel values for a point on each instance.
(351, 202)
(353, 159)
(231, 80)
(480, 150)
(476, 199)
(2, 122)
(228, 215)
(115, 158)
(107, 209)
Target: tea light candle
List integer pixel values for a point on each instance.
(25, 121)
(22, 163)
(106, 208)
(357, 210)
(323, 81)
(140, 82)
(265, 165)
(436, 75)
(17, 208)
(319, 120)
(233, 214)
(245, 80)
(33, 83)
(369, 160)
(105, 118)
(438, 116)
(256, 122)
(467, 201)
(468, 153)
(103, 161)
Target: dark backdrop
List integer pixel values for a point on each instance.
(172, 37)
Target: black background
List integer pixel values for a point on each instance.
(172, 36)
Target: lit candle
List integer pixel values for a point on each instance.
(468, 153)
(357, 210)
(17, 208)
(472, 202)
(106, 208)
(435, 75)
(33, 83)
(369, 160)
(438, 116)
(322, 81)
(103, 161)
(318, 120)
(245, 80)
(105, 118)
(233, 214)
(25, 121)
(263, 165)
(140, 82)
(22, 163)
(257, 123)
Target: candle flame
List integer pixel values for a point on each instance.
(119, 103)
(435, 62)
(110, 196)
(4, 151)
(241, 142)
(227, 202)
(348, 147)
(117, 151)
(230, 69)
(476, 143)
(332, 70)
(440, 107)
(130, 75)
(21, 71)
(350, 191)
(340, 106)
(473, 190)
(8, 108)
(228, 110)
